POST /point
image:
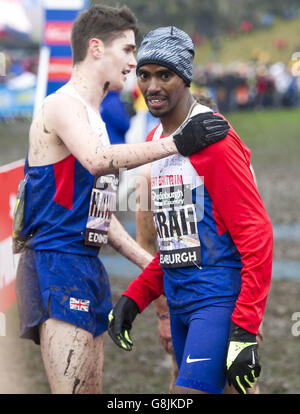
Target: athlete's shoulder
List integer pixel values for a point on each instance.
(213, 149)
(61, 103)
(60, 109)
(227, 148)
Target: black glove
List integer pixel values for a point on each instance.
(120, 321)
(200, 131)
(242, 363)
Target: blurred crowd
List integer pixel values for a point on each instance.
(248, 85)
(232, 87)
(16, 64)
(18, 79)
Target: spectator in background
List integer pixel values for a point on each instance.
(115, 116)
(248, 85)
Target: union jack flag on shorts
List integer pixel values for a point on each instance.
(79, 304)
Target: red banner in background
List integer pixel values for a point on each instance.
(60, 69)
(58, 32)
(10, 175)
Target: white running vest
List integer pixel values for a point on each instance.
(104, 193)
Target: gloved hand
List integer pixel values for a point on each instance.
(242, 363)
(200, 131)
(120, 322)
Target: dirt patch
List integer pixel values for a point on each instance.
(147, 368)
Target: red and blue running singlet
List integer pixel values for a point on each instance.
(63, 201)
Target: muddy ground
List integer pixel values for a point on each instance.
(274, 140)
(147, 368)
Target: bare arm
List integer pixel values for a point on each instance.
(146, 238)
(67, 118)
(145, 230)
(122, 242)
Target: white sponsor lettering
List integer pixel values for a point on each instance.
(177, 258)
(97, 237)
(108, 179)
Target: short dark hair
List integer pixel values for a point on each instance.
(103, 22)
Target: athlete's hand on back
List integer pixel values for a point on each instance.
(200, 131)
(242, 363)
(120, 322)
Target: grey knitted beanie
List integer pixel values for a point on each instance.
(170, 47)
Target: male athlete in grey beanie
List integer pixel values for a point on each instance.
(210, 273)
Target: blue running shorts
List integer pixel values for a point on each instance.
(200, 346)
(74, 287)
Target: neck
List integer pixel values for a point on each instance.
(86, 82)
(172, 121)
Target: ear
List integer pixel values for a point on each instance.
(96, 47)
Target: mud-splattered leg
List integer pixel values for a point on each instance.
(73, 359)
(174, 374)
(94, 380)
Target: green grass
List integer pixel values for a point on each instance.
(273, 138)
(269, 133)
(13, 140)
(242, 48)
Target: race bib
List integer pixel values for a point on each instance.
(102, 204)
(18, 238)
(175, 221)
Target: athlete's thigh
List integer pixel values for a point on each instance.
(95, 379)
(203, 362)
(179, 331)
(69, 358)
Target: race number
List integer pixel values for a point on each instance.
(175, 220)
(102, 204)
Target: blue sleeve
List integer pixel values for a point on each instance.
(114, 114)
